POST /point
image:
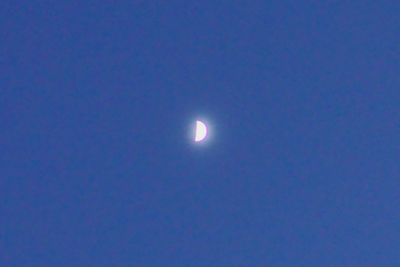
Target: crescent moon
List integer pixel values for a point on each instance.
(201, 131)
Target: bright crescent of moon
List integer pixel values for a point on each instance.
(201, 131)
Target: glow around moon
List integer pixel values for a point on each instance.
(201, 131)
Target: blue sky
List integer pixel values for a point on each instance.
(97, 101)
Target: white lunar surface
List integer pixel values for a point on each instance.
(201, 131)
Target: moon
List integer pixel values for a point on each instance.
(201, 131)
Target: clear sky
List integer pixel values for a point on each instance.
(97, 104)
